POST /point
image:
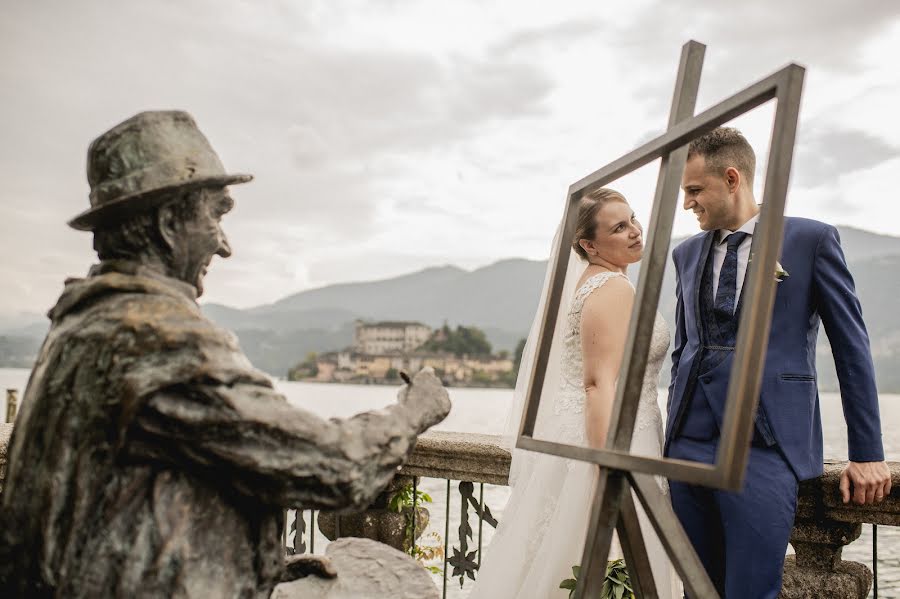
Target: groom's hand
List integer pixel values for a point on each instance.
(871, 482)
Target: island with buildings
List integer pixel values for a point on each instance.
(461, 357)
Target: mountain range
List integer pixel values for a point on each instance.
(500, 298)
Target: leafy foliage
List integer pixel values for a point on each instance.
(404, 498)
(464, 341)
(305, 369)
(428, 552)
(616, 585)
(403, 502)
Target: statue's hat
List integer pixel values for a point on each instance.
(138, 163)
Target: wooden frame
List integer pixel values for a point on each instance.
(743, 390)
(620, 470)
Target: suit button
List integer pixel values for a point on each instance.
(707, 379)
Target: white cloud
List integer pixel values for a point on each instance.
(389, 136)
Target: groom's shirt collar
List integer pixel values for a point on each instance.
(748, 227)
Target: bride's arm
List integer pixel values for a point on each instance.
(604, 330)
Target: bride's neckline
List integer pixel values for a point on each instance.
(602, 273)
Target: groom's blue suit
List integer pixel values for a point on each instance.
(741, 537)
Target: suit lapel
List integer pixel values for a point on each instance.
(747, 272)
(698, 270)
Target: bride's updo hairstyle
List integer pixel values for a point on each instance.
(590, 205)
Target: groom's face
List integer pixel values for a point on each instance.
(707, 195)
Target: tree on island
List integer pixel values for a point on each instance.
(509, 378)
(464, 341)
(306, 369)
(517, 360)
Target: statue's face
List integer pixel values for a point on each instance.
(201, 238)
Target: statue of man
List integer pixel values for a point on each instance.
(150, 459)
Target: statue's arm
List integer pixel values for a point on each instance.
(250, 437)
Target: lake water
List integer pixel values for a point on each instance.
(485, 411)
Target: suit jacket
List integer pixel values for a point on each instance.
(818, 289)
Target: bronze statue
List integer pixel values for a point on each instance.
(150, 459)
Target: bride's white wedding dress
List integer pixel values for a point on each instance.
(543, 527)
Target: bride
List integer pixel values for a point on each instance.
(542, 531)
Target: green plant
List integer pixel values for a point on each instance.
(403, 501)
(403, 498)
(434, 550)
(571, 583)
(616, 585)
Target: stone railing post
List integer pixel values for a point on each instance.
(5, 434)
(457, 456)
(817, 569)
(12, 405)
(823, 527)
(378, 522)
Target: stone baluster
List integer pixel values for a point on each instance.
(817, 569)
(12, 404)
(5, 434)
(823, 527)
(378, 522)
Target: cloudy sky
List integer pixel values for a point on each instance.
(388, 136)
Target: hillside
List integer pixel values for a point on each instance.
(500, 298)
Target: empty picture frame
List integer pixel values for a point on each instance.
(784, 86)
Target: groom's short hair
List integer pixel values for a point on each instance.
(724, 147)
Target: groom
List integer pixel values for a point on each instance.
(741, 538)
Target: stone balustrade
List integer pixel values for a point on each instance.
(459, 456)
(824, 525)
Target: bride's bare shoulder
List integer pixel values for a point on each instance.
(612, 294)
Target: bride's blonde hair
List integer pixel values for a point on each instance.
(588, 207)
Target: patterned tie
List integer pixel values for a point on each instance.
(724, 304)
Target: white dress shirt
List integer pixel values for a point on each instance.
(720, 248)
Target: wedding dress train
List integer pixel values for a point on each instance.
(543, 527)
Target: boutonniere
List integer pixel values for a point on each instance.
(780, 273)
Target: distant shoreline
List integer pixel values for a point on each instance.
(822, 388)
(395, 383)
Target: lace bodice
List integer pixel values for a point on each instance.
(554, 496)
(569, 404)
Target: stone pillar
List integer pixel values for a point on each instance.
(12, 404)
(5, 435)
(822, 527)
(817, 569)
(378, 522)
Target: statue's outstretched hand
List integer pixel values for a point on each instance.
(425, 398)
